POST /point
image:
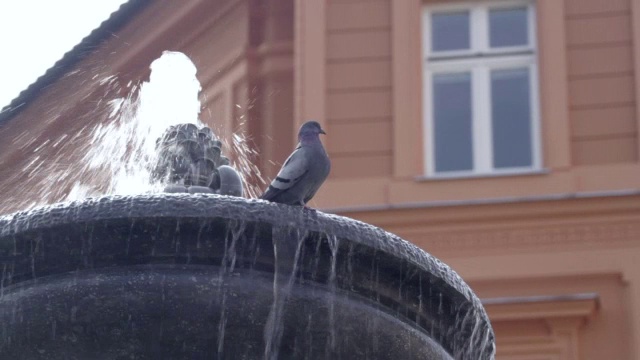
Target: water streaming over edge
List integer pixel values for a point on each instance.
(290, 262)
(287, 243)
(334, 245)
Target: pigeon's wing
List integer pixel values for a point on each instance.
(292, 171)
(319, 178)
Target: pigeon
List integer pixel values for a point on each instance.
(304, 170)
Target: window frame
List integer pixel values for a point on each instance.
(480, 66)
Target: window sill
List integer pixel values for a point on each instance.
(440, 177)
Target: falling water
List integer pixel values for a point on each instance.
(124, 148)
(227, 266)
(334, 245)
(287, 243)
(117, 148)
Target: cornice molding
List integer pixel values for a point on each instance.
(565, 237)
(604, 222)
(549, 308)
(563, 315)
(490, 211)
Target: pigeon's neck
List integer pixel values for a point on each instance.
(309, 139)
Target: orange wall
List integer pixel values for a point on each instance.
(509, 236)
(373, 111)
(358, 71)
(605, 336)
(601, 82)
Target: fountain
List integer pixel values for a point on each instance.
(190, 160)
(197, 271)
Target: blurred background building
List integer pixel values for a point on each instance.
(501, 136)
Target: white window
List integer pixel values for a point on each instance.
(481, 89)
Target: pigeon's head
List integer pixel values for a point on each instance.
(310, 129)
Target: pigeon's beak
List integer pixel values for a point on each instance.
(322, 132)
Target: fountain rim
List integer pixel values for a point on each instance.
(226, 207)
(212, 206)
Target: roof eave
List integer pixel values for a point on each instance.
(107, 28)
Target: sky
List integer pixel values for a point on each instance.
(34, 34)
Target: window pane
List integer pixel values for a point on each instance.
(452, 122)
(511, 118)
(508, 27)
(450, 31)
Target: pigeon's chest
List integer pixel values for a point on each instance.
(321, 165)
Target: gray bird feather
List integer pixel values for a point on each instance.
(303, 172)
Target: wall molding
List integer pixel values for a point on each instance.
(605, 235)
(564, 316)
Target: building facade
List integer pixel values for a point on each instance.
(501, 136)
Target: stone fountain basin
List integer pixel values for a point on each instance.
(207, 276)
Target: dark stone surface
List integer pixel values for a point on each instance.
(190, 160)
(207, 276)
